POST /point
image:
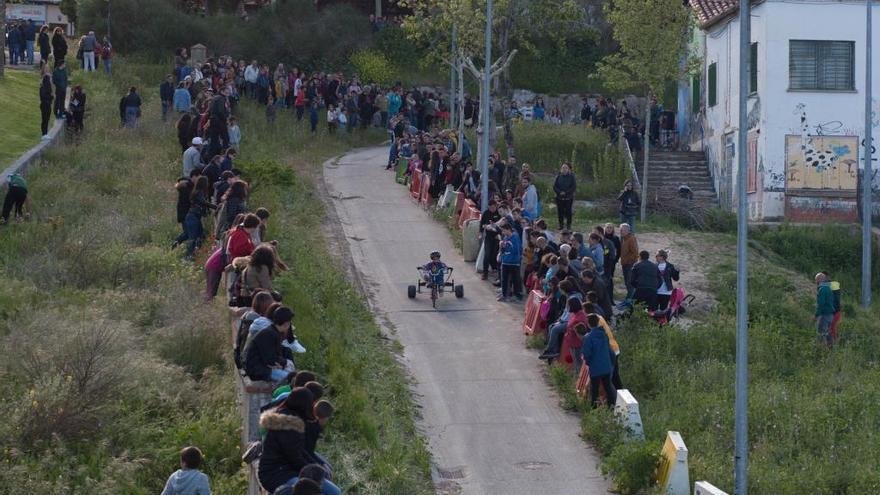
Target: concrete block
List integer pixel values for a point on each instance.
(627, 411)
(706, 488)
(672, 473)
(470, 246)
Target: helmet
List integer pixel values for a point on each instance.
(435, 254)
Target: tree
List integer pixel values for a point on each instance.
(2, 33)
(515, 22)
(652, 35)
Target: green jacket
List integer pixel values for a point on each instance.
(59, 78)
(824, 300)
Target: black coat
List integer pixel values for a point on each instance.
(46, 91)
(59, 47)
(45, 46)
(598, 286)
(263, 351)
(565, 186)
(284, 448)
(668, 275)
(645, 275)
(166, 91)
(629, 202)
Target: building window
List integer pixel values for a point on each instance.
(753, 69)
(712, 85)
(695, 94)
(821, 65)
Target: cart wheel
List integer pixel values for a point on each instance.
(459, 291)
(411, 291)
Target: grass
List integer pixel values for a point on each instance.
(20, 119)
(110, 361)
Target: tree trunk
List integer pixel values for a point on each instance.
(2, 33)
(504, 87)
(644, 206)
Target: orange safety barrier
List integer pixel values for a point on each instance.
(459, 204)
(469, 212)
(416, 185)
(426, 191)
(582, 386)
(532, 321)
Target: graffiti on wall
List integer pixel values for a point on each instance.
(825, 162)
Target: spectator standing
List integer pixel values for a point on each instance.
(597, 252)
(490, 233)
(59, 46)
(192, 157)
(511, 259)
(199, 206)
(645, 278)
(612, 255)
(529, 198)
(88, 51)
(835, 289)
(130, 108)
(78, 108)
(166, 95)
(60, 79)
(234, 135)
(668, 273)
(181, 100)
(107, 56)
(188, 480)
(45, 104)
(29, 33)
(14, 41)
(629, 256)
(629, 204)
(565, 187)
(824, 310)
(45, 45)
(16, 197)
(596, 352)
(313, 117)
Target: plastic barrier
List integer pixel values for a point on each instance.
(402, 164)
(532, 321)
(459, 204)
(469, 212)
(470, 245)
(582, 386)
(672, 473)
(627, 411)
(415, 188)
(426, 191)
(706, 488)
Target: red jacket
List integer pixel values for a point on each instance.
(240, 244)
(571, 340)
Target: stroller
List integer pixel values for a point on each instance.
(678, 304)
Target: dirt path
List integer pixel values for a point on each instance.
(694, 254)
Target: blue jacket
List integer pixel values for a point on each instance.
(597, 253)
(511, 250)
(597, 352)
(182, 100)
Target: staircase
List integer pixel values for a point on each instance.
(667, 170)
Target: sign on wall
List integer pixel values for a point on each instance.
(821, 162)
(36, 13)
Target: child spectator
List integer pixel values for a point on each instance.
(234, 135)
(188, 480)
(596, 352)
(331, 119)
(313, 117)
(511, 258)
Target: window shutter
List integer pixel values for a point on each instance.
(821, 65)
(695, 94)
(753, 68)
(712, 85)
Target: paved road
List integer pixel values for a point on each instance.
(493, 424)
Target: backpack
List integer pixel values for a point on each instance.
(241, 338)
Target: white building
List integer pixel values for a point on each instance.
(806, 105)
(40, 12)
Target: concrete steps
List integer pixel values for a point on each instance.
(668, 170)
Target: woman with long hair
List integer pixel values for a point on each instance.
(59, 46)
(232, 203)
(260, 269)
(184, 131)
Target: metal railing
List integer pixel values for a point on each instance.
(632, 163)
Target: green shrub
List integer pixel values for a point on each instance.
(632, 465)
(372, 65)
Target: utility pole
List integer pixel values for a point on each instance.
(453, 73)
(484, 102)
(867, 176)
(741, 433)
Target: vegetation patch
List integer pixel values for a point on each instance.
(20, 121)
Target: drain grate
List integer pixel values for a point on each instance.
(533, 465)
(452, 473)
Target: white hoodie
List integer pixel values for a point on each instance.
(187, 482)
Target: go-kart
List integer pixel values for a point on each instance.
(436, 282)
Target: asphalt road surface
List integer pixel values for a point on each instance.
(493, 424)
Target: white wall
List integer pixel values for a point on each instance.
(776, 110)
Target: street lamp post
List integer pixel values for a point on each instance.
(741, 431)
(484, 101)
(868, 175)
